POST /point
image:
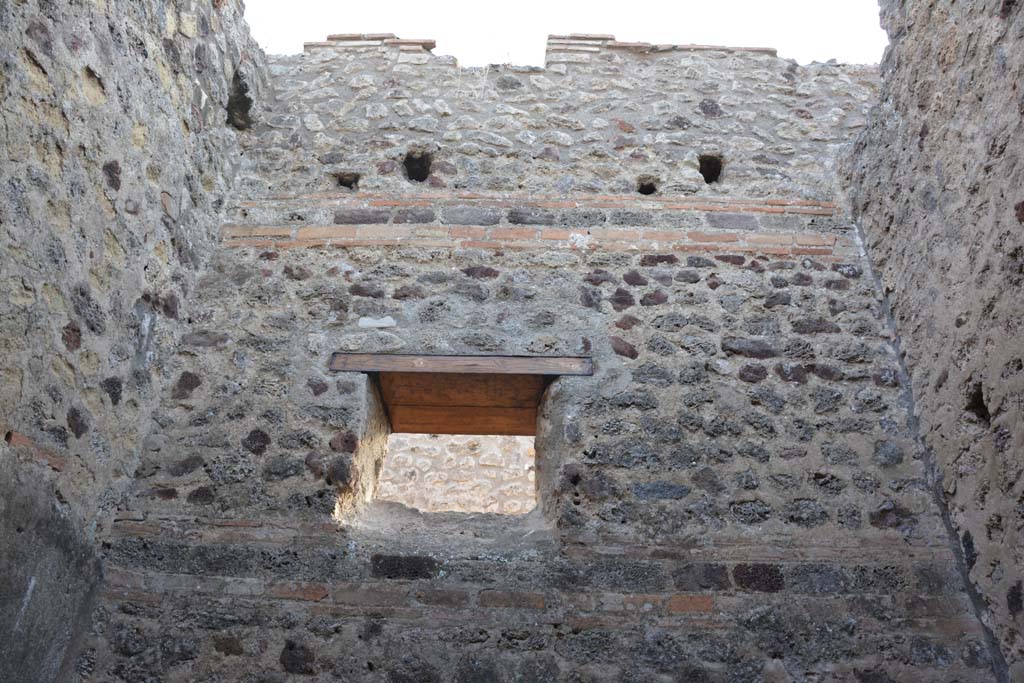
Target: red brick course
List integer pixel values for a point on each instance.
(545, 237)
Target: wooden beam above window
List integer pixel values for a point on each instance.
(497, 395)
(491, 365)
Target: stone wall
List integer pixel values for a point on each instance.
(937, 180)
(117, 156)
(458, 473)
(601, 116)
(736, 494)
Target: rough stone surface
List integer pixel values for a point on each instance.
(50, 577)
(117, 159)
(943, 227)
(437, 473)
(737, 493)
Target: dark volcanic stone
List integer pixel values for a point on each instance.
(649, 373)
(88, 309)
(532, 216)
(470, 215)
(201, 496)
(481, 272)
(699, 262)
(403, 567)
(186, 384)
(590, 297)
(622, 347)
(256, 441)
(815, 326)
(185, 466)
(627, 322)
(239, 103)
(1015, 599)
(409, 292)
(344, 442)
(339, 472)
(71, 335)
(78, 423)
(634, 279)
(655, 298)
(316, 386)
(806, 513)
(829, 372)
(297, 272)
(887, 454)
(204, 339)
(763, 578)
(296, 658)
(660, 490)
(847, 270)
(733, 221)
(659, 260)
(752, 348)
(688, 276)
(366, 290)
(228, 645)
(112, 174)
(753, 373)
(361, 216)
(415, 214)
(113, 386)
(710, 108)
(777, 299)
(750, 511)
(892, 515)
(701, 576)
(621, 299)
(597, 277)
(791, 372)
(802, 279)
(282, 467)
(706, 478)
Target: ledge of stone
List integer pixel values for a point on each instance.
(595, 42)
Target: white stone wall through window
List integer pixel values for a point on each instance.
(447, 473)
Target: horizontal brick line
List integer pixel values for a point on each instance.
(873, 549)
(124, 582)
(601, 205)
(429, 235)
(553, 201)
(591, 246)
(232, 231)
(530, 232)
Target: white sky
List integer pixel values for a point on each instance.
(514, 31)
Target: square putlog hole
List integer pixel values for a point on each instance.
(460, 473)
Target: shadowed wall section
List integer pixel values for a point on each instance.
(936, 181)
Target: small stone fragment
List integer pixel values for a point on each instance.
(623, 347)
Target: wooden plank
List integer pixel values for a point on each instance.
(445, 389)
(495, 365)
(463, 420)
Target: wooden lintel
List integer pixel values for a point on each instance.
(494, 365)
(463, 420)
(462, 389)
